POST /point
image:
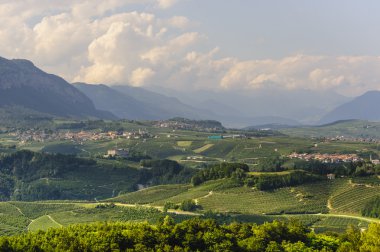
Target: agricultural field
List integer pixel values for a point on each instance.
(338, 197)
(352, 198)
(45, 215)
(109, 190)
(349, 128)
(150, 195)
(317, 197)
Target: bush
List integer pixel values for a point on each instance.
(188, 205)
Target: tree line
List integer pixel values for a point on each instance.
(240, 174)
(193, 235)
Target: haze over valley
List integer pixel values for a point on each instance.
(184, 125)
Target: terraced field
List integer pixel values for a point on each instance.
(352, 198)
(307, 203)
(12, 220)
(203, 148)
(184, 143)
(43, 223)
(152, 194)
(338, 196)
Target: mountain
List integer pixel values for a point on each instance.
(24, 85)
(272, 123)
(122, 105)
(139, 104)
(304, 106)
(364, 107)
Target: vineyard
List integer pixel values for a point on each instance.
(352, 198)
(150, 195)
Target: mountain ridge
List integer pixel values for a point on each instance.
(23, 84)
(139, 104)
(363, 107)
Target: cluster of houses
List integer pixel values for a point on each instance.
(327, 158)
(183, 125)
(352, 139)
(80, 136)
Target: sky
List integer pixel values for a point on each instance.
(219, 45)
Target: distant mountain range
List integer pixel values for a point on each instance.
(364, 107)
(139, 104)
(265, 106)
(27, 89)
(24, 85)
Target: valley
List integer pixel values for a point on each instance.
(79, 183)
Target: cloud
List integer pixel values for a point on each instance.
(179, 22)
(346, 75)
(140, 76)
(98, 41)
(165, 4)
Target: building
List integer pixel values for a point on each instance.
(331, 176)
(374, 161)
(216, 137)
(117, 153)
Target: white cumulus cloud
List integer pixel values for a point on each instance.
(98, 41)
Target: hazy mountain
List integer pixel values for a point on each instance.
(300, 105)
(24, 85)
(272, 122)
(122, 105)
(364, 107)
(140, 104)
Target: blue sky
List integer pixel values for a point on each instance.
(278, 28)
(200, 44)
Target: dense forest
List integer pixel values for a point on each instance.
(240, 173)
(219, 171)
(28, 176)
(192, 235)
(157, 172)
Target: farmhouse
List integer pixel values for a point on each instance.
(117, 153)
(375, 161)
(331, 176)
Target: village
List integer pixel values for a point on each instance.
(349, 139)
(186, 124)
(78, 137)
(326, 158)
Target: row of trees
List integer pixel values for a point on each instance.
(192, 235)
(361, 168)
(273, 181)
(239, 173)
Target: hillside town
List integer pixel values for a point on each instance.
(78, 137)
(186, 124)
(351, 139)
(326, 158)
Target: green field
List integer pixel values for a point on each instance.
(338, 197)
(43, 223)
(349, 128)
(203, 148)
(323, 205)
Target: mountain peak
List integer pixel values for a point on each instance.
(364, 107)
(23, 84)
